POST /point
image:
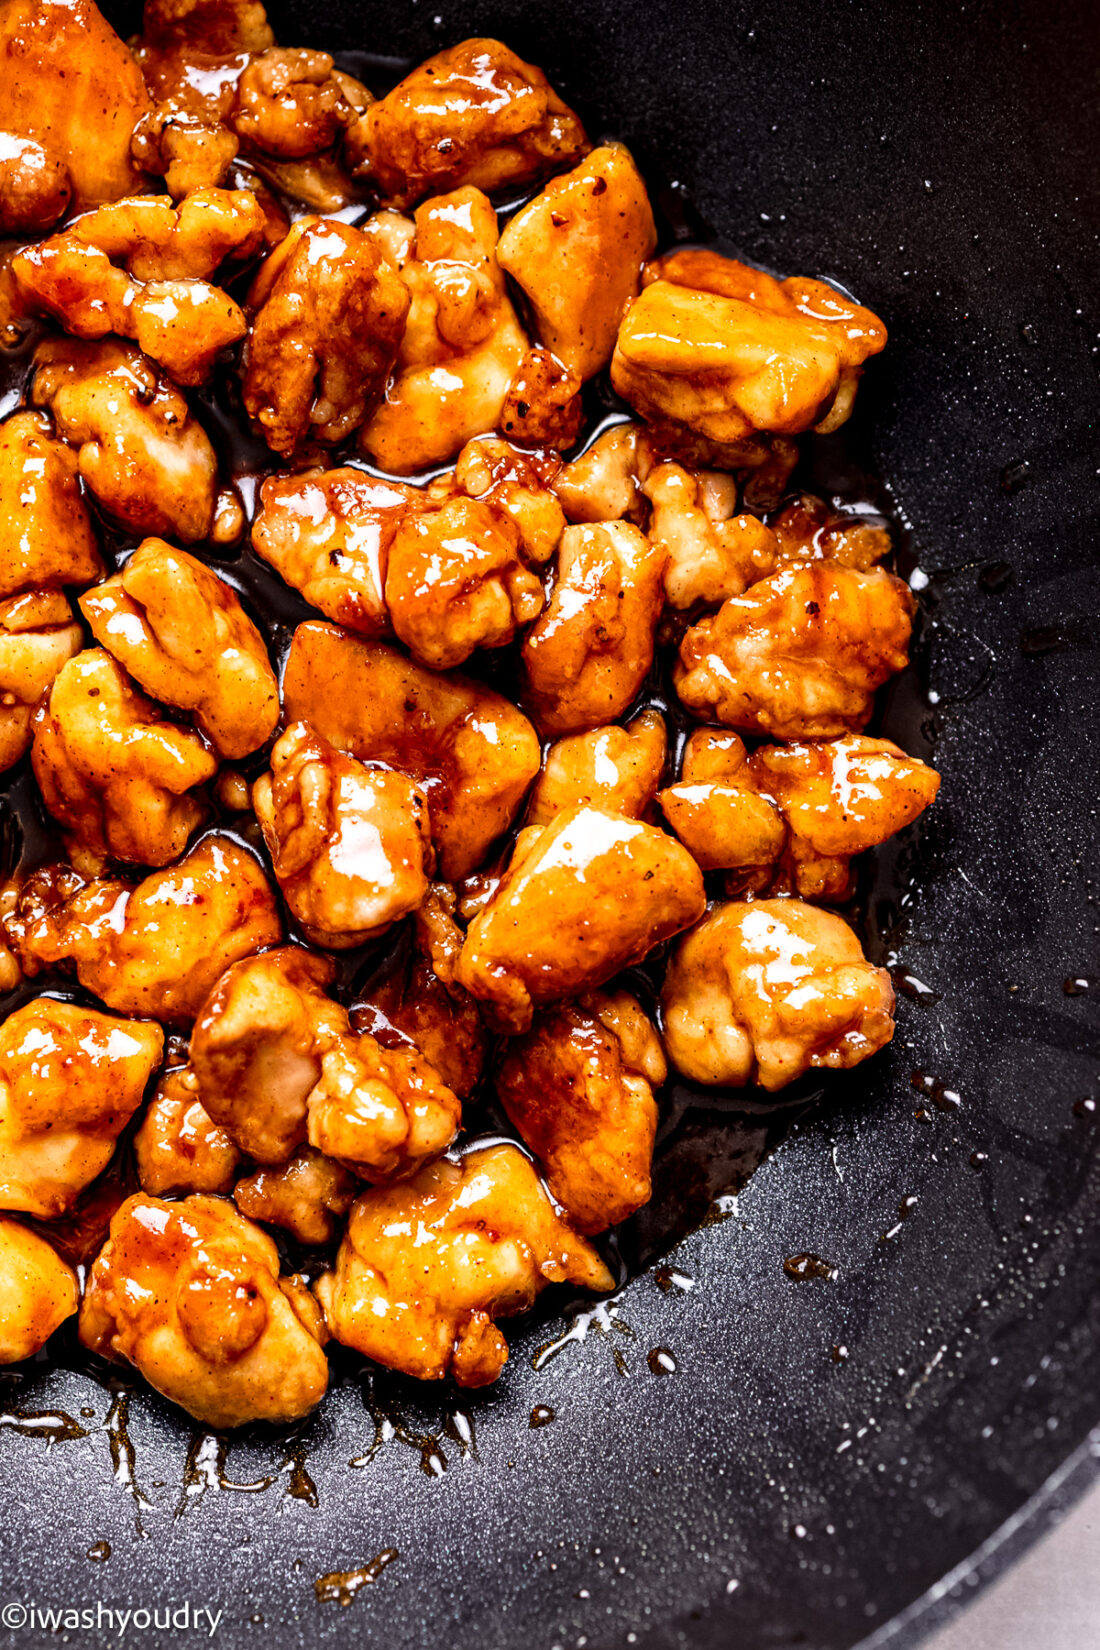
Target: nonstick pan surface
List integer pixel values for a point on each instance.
(824, 1452)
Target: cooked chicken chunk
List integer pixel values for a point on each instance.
(587, 656)
(328, 314)
(70, 1080)
(473, 115)
(349, 845)
(487, 1241)
(67, 81)
(614, 769)
(181, 631)
(800, 654)
(38, 1291)
(806, 529)
(156, 948)
(579, 1088)
(115, 775)
(713, 553)
(470, 751)
(179, 1147)
(34, 186)
(543, 406)
(718, 814)
(38, 635)
(518, 483)
(46, 533)
(383, 1112)
(602, 485)
(188, 28)
(308, 1196)
(140, 451)
(585, 896)
(764, 990)
(190, 1294)
(462, 344)
(290, 104)
(577, 251)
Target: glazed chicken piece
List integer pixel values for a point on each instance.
(46, 534)
(70, 1080)
(117, 777)
(806, 529)
(38, 635)
(200, 28)
(462, 344)
(68, 82)
(579, 1088)
(179, 1147)
(156, 948)
(190, 1294)
(543, 406)
(382, 1112)
(488, 1240)
(349, 845)
(181, 632)
(328, 313)
(585, 896)
(308, 1196)
(474, 115)
(577, 251)
(517, 483)
(38, 1291)
(290, 104)
(602, 484)
(713, 553)
(146, 459)
(765, 990)
(585, 659)
(472, 753)
(800, 654)
(614, 769)
(717, 812)
(34, 186)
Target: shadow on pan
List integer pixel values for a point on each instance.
(728, 1455)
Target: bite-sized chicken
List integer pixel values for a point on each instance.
(179, 1147)
(349, 845)
(543, 407)
(140, 451)
(46, 533)
(328, 314)
(471, 752)
(34, 186)
(487, 1241)
(308, 1196)
(800, 654)
(585, 896)
(713, 553)
(180, 630)
(579, 1088)
(382, 1112)
(602, 484)
(39, 634)
(585, 659)
(190, 1294)
(462, 343)
(492, 470)
(38, 1291)
(68, 81)
(117, 777)
(719, 815)
(614, 769)
(188, 28)
(577, 251)
(473, 115)
(156, 948)
(806, 529)
(290, 104)
(70, 1080)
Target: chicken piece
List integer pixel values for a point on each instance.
(806, 529)
(765, 990)
(328, 533)
(117, 778)
(179, 1147)
(174, 141)
(455, 581)
(471, 752)
(156, 948)
(382, 1112)
(38, 1291)
(290, 104)
(307, 1196)
(712, 552)
(46, 533)
(543, 407)
(579, 1088)
(190, 1294)
(68, 81)
(585, 896)
(462, 344)
(70, 1080)
(328, 314)
(349, 845)
(38, 635)
(140, 451)
(839, 798)
(475, 116)
(181, 631)
(186, 29)
(718, 814)
(800, 654)
(150, 238)
(602, 484)
(34, 186)
(577, 251)
(492, 470)
(586, 658)
(614, 769)
(488, 1239)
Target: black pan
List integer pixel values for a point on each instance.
(831, 1460)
